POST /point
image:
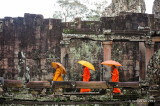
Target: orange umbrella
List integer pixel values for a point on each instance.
(60, 65)
(111, 62)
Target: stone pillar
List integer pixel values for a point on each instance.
(146, 52)
(156, 8)
(149, 52)
(107, 47)
(64, 51)
(77, 22)
(142, 71)
(63, 54)
(64, 57)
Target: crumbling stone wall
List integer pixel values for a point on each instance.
(28, 45)
(127, 53)
(82, 27)
(130, 27)
(131, 22)
(125, 30)
(153, 68)
(83, 49)
(127, 21)
(156, 8)
(117, 6)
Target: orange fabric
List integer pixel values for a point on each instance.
(115, 78)
(116, 90)
(86, 74)
(86, 77)
(57, 76)
(115, 75)
(84, 90)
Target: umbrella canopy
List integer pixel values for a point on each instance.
(111, 62)
(54, 65)
(87, 64)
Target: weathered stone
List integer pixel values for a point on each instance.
(117, 6)
(38, 84)
(128, 22)
(13, 84)
(24, 42)
(156, 8)
(30, 44)
(1, 91)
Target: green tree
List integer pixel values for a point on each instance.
(96, 12)
(69, 10)
(87, 10)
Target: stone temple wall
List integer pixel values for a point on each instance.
(118, 6)
(28, 45)
(156, 8)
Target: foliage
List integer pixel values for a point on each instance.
(88, 10)
(70, 9)
(96, 10)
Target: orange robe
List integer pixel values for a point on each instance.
(57, 76)
(86, 77)
(115, 78)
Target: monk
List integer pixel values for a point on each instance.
(57, 76)
(115, 78)
(86, 77)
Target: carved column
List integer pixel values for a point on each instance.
(64, 55)
(146, 52)
(107, 47)
(142, 71)
(149, 52)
